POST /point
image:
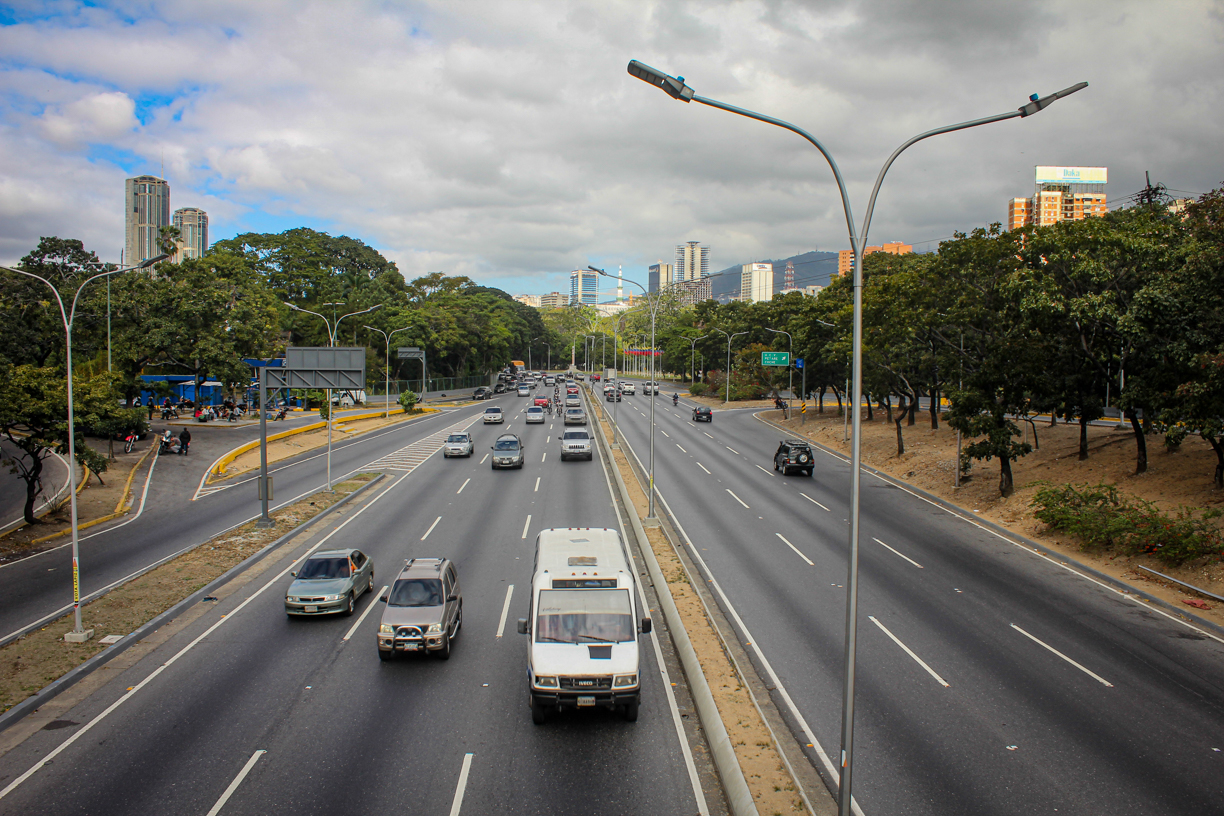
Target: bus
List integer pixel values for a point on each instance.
(519, 366)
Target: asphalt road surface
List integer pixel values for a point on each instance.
(13, 490)
(991, 679)
(257, 713)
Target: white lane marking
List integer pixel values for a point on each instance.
(233, 786)
(813, 501)
(430, 530)
(678, 445)
(465, 484)
(485, 459)
(910, 652)
(76, 735)
(547, 439)
(665, 433)
(537, 487)
(704, 468)
(737, 498)
(368, 609)
(763, 470)
(796, 549)
(707, 434)
(526, 524)
(1088, 672)
(461, 786)
(733, 450)
(906, 557)
(501, 624)
(542, 458)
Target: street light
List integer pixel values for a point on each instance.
(386, 371)
(692, 354)
(333, 326)
(675, 88)
(727, 373)
(549, 366)
(790, 368)
(68, 317)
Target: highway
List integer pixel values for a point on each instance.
(991, 679)
(248, 712)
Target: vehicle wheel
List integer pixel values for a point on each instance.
(384, 656)
(352, 604)
(369, 583)
(590, 456)
(775, 464)
(444, 652)
(539, 712)
(631, 710)
(128, 445)
(809, 473)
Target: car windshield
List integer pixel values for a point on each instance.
(457, 438)
(317, 569)
(573, 411)
(576, 435)
(506, 445)
(584, 616)
(535, 409)
(492, 410)
(416, 592)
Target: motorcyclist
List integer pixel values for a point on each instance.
(675, 399)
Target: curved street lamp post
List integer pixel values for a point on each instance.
(387, 368)
(727, 373)
(677, 89)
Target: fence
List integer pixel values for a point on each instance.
(432, 385)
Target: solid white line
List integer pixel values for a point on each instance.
(537, 487)
(763, 470)
(813, 501)
(367, 611)
(681, 448)
(485, 459)
(430, 530)
(910, 652)
(526, 524)
(707, 434)
(703, 468)
(223, 619)
(733, 450)
(501, 624)
(796, 549)
(737, 498)
(465, 484)
(1091, 674)
(461, 786)
(906, 557)
(542, 458)
(233, 786)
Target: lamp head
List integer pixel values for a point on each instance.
(151, 261)
(672, 86)
(1037, 103)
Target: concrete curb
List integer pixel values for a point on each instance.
(739, 797)
(1014, 537)
(53, 689)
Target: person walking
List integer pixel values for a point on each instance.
(184, 441)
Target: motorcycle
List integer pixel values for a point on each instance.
(168, 412)
(675, 399)
(169, 444)
(129, 442)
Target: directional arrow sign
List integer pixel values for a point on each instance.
(775, 358)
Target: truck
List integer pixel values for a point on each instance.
(582, 624)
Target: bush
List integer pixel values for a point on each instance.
(408, 401)
(324, 409)
(697, 389)
(1102, 519)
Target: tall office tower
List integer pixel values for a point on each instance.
(148, 210)
(584, 287)
(1060, 194)
(692, 261)
(845, 258)
(660, 276)
(193, 232)
(756, 282)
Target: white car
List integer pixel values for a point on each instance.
(577, 444)
(524, 390)
(535, 414)
(492, 415)
(650, 388)
(458, 444)
(628, 388)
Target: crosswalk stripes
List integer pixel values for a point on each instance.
(410, 457)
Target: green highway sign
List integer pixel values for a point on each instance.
(775, 358)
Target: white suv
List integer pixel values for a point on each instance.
(576, 444)
(650, 388)
(628, 388)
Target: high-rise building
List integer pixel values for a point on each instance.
(845, 258)
(660, 276)
(1060, 194)
(192, 225)
(692, 261)
(147, 199)
(584, 286)
(756, 282)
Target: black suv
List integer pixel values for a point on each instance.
(702, 413)
(794, 454)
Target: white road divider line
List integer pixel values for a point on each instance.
(906, 557)
(681, 448)
(542, 458)
(763, 470)
(703, 468)
(485, 459)
(665, 433)
(430, 530)
(233, 786)
(457, 804)
(465, 484)
(353, 629)
(733, 450)
(910, 652)
(707, 434)
(813, 501)
(537, 487)
(526, 524)
(796, 549)
(737, 498)
(501, 624)
(1088, 672)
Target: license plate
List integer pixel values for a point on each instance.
(584, 701)
(312, 609)
(411, 647)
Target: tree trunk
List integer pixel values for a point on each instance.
(1140, 443)
(1083, 423)
(820, 400)
(840, 408)
(870, 417)
(1217, 445)
(913, 412)
(934, 409)
(886, 404)
(902, 413)
(1006, 484)
(33, 480)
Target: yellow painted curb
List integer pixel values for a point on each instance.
(119, 508)
(127, 487)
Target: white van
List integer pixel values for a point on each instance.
(583, 649)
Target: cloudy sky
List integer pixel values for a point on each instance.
(505, 140)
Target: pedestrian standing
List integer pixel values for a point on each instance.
(184, 441)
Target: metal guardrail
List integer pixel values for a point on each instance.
(1183, 583)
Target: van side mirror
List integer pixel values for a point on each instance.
(452, 598)
(293, 574)
(522, 626)
(646, 626)
(383, 598)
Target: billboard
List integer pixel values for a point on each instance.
(1072, 175)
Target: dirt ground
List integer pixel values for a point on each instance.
(31, 662)
(1172, 480)
(772, 788)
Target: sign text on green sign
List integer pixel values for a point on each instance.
(775, 358)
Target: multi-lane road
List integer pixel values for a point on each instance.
(991, 679)
(244, 711)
